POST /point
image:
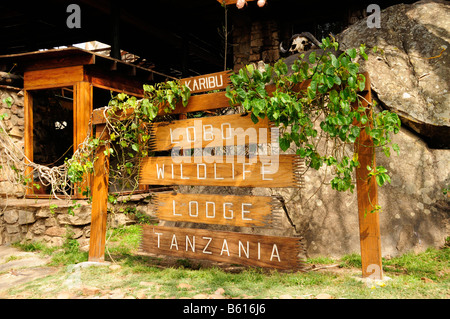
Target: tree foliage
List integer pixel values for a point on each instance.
(328, 110)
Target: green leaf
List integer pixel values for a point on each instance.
(329, 80)
(396, 148)
(312, 57)
(380, 180)
(361, 82)
(364, 119)
(334, 61)
(284, 143)
(353, 68)
(334, 97)
(135, 147)
(337, 80)
(250, 68)
(254, 118)
(8, 101)
(311, 93)
(121, 96)
(351, 81)
(355, 131)
(351, 53)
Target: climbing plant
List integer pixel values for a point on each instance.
(127, 119)
(325, 112)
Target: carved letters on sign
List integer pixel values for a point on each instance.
(213, 131)
(207, 82)
(231, 210)
(262, 171)
(230, 247)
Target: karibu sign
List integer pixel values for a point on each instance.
(230, 247)
(231, 210)
(207, 82)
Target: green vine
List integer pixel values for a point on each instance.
(128, 118)
(322, 112)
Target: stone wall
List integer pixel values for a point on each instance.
(14, 124)
(255, 41)
(50, 222)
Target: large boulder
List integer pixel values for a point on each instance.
(411, 73)
(415, 211)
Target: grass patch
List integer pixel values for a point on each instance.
(420, 276)
(433, 264)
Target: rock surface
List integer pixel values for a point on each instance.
(411, 75)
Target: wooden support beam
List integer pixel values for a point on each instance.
(367, 193)
(51, 78)
(82, 109)
(99, 200)
(28, 135)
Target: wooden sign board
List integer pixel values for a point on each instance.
(231, 210)
(207, 82)
(213, 131)
(263, 171)
(229, 247)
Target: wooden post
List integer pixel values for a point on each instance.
(28, 137)
(99, 200)
(82, 107)
(367, 193)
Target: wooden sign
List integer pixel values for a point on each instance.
(207, 82)
(213, 131)
(231, 210)
(261, 171)
(229, 247)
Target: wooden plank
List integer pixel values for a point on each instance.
(213, 131)
(99, 200)
(207, 82)
(229, 247)
(51, 78)
(211, 101)
(231, 210)
(28, 136)
(113, 81)
(367, 193)
(82, 109)
(201, 102)
(58, 62)
(263, 171)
